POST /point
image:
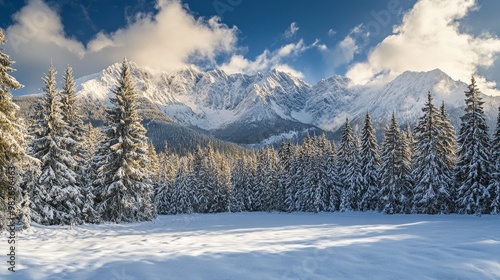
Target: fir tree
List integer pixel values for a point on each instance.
(302, 174)
(349, 169)
(283, 170)
(223, 180)
(12, 144)
(94, 145)
(432, 175)
(410, 141)
(472, 172)
(293, 182)
(154, 163)
(494, 187)
(91, 140)
(80, 148)
(324, 180)
(240, 176)
(248, 183)
(370, 167)
(394, 193)
(124, 191)
(76, 129)
(12, 138)
(265, 180)
(164, 187)
(56, 196)
(335, 187)
(301, 180)
(317, 182)
(212, 181)
(447, 139)
(182, 194)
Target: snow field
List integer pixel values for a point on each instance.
(349, 245)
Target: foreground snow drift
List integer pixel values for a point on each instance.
(266, 246)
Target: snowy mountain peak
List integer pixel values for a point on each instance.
(429, 77)
(215, 100)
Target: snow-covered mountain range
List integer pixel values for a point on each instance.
(254, 109)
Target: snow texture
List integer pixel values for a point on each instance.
(266, 246)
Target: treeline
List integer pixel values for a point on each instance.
(71, 173)
(429, 171)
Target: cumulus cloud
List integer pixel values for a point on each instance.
(290, 32)
(331, 32)
(37, 23)
(429, 37)
(268, 60)
(169, 39)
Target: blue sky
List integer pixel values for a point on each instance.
(368, 41)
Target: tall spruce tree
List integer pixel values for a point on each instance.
(266, 180)
(78, 145)
(448, 139)
(283, 170)
(472, 171)
(410, 142)
(153, 163)
(56, 196)
(303, 174)
(348, 168)
(370, 167)
(211, 180)
(240, 176)
(12, 138)
(494, 187)
(12, 144)
(76, 129)
(321, 170)
(248, 182)
(290, 181)
(182, 195)
(406, 147)
(335, 187)
(432, 175)
(315, 186)
(124, 191)
(96, 146)
(223, 179)
(394, 194)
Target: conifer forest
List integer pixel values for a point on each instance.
(72, 173)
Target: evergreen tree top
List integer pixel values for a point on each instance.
(394, 121)
(49, 80)
(443, 109)
(347, 131)
(7, 82)
(473, 99)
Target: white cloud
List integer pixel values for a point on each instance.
(170, 39)
(290, 32)
(288, 69)
(429, 37)
(322, 47)
(343, 52)
(37, 23)
(331, 32)
(268, 60)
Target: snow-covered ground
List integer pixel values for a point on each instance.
(266, 246)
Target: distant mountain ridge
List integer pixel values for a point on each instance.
(254, 109)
